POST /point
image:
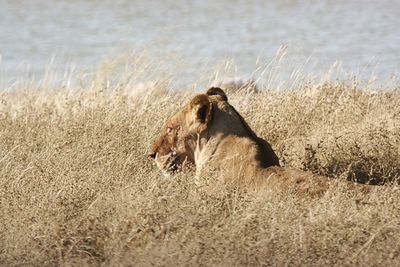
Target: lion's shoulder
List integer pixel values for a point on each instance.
(240, 138)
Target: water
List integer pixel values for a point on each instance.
(363, 35)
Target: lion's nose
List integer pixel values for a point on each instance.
(152, 154)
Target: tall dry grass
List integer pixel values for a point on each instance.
(76, 187)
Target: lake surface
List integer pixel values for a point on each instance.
(363, 35)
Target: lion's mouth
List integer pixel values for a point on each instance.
(172, 163)
(169, 163)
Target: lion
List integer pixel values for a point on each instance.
(210, 134)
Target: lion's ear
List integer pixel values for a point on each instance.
(217, 91)
(201, 107)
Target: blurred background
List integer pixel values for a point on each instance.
(362, 37)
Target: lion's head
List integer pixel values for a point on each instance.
(202, 125)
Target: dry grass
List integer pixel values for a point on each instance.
(76, 187)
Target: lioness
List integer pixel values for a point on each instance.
(210, 134)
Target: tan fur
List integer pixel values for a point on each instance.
(210, 134)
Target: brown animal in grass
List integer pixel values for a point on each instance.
(211, 135)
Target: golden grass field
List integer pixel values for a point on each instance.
(77, 189)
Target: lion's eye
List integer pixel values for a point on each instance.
(169, 130)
